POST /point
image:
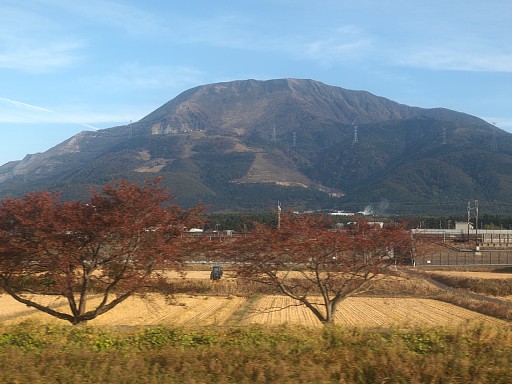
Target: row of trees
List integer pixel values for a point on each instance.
(113, 246)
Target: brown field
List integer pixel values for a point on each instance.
(475, 275)
(367, 312)
(225, 310)
(10, 309)
(186, 310)
(205, 275)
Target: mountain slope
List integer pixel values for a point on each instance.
(247, 144)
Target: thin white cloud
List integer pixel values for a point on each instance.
(19, 104)
(228, 30)
(429, 42)
(133, 76)
(32, 42)
(470, 36)
(132, 20)
(34, 58)
(18, 112)
(326, 46)
(458, 59)
(340, 44)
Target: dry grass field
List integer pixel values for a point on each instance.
(202, 275)
(226, 309)
(367, 312)
(475, 275)
(216, 337)
(198, 310)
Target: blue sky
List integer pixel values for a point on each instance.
(68, 66)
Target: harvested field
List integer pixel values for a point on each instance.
(181, 310)
(368, 312)
(225, 306)
(205, 275)
(12, 309)
(474, 275)
(186, 310)
(152, 310)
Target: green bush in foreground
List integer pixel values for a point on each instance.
(51, 354)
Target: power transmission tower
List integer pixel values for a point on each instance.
(274, 135)
(355, 135)
(278, 215)
(354, 127)
(494, 147)
(355, 140)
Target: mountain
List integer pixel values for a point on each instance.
(248, 144)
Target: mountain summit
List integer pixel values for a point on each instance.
(248, 144)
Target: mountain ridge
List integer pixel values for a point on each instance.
(248, 143)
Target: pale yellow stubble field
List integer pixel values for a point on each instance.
(209, 310)
(475, 275)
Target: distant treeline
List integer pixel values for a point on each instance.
(242, 221)
(485, 221)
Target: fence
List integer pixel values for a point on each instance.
(465, 258)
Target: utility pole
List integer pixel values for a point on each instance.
(476, 221)
(469, 217)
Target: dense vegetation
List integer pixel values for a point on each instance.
(53, 354)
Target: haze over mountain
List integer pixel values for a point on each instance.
(248, 144)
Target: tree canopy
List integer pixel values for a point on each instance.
(308, 260)
(108, 246)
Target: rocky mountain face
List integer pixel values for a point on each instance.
(248, 144)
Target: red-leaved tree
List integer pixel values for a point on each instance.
(317, 265)
(106, 248)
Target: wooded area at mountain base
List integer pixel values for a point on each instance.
(241, 221)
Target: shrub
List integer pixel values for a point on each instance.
(32, 353)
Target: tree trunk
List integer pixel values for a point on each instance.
(329, 313)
